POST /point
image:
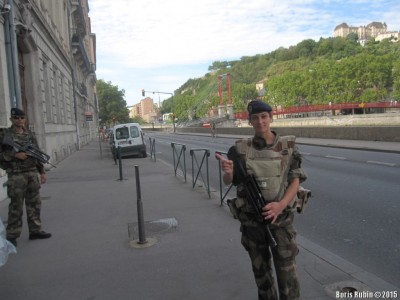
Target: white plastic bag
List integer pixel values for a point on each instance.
(5, 246)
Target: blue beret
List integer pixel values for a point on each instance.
(17, 112)
(256, 107)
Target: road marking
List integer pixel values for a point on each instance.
(380, 163)
(335, 157)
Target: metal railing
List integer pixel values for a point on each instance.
(205, 156)
(222, 196)
(178, 154)
(199, 159)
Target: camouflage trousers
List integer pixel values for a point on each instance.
(255, 241)
(20, 187)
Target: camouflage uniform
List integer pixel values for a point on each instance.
(23, 184)
(254, 238)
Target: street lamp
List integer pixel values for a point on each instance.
(172, 96)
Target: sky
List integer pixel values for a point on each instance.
(157, 45)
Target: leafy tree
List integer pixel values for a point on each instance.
(137, 119)
(352, 37)
(396, 80)
(112, 105)
(166, 106)
(218, 65)
(306, 48)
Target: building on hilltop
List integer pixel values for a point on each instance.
(376, 30)
(394, 36)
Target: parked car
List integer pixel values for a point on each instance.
(129, 138)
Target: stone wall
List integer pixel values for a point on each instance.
(386, 119)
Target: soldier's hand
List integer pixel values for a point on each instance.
(272, 210)
(43, 178)
(21, 155)
(226, 164)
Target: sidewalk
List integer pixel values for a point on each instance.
(193, 248)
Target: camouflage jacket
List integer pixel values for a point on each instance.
(9, 162)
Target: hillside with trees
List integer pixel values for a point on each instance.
(332, 70)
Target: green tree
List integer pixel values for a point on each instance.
(166, 106)
(112, 105)
(352, 37)
(396, 80)
(306, 48)
(137, 119)
(218, 65)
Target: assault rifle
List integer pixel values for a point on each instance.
(29, 149)
(253, 192)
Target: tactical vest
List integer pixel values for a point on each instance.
(270, 166)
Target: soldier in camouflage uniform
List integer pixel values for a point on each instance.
(276, 163)
(25, 175)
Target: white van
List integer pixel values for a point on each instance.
(129, 138)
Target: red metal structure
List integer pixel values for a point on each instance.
(220, 89)
(228, 86)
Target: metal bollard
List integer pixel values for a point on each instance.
(152, 148)
(119, 163)
(142, 236)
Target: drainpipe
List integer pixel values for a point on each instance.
(15, 100)
(9, 60)
(78, 139)
(76, 109)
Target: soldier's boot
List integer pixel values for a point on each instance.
(39, 235)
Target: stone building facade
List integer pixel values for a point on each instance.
(376, 30)
(47, 68)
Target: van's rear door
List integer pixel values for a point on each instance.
(135, 135)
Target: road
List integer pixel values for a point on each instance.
(354, 211)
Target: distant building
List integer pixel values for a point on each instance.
(145, 110)
(394, 36)
(376, 30)
(260, 85)
(167, 117)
